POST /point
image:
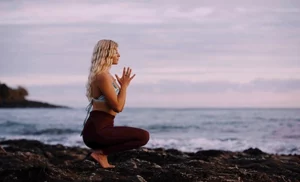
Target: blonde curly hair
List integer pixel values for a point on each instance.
(102, 60)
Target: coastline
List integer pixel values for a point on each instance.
(16, 98)
(31, 160)
(29, 104)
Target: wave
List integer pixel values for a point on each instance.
(50, 131)
(229, 144)
(164, 127)
(183, 144)
(292, 136)
(14, 124)
(18, 128)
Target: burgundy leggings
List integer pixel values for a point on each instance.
(99, 132)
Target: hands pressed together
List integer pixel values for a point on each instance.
(125, 80)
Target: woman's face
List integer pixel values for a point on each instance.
(116, 56)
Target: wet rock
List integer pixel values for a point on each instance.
(254, 151)
(2, 150)
(140, 178)
(30, 160)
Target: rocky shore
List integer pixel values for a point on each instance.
(30, 160)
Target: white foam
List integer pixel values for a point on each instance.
(193, 145)
(182, 144)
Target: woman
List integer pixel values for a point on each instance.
(107, 99)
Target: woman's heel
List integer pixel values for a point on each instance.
(90, 158)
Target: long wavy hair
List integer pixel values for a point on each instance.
(102, 60)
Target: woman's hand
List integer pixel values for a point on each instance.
(124, 81)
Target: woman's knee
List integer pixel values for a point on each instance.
(144, 136)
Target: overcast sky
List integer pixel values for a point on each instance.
(189, 53)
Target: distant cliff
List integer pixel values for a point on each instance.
(15, 98)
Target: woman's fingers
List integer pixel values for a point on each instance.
(124, 70)
(117, 78)
(129, 72)
(132, 77)
(125, 79)
(126, 73)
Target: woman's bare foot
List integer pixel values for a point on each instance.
(102, 159)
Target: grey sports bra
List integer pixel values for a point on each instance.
(102, 97)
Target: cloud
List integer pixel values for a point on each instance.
(86, 12)
(158, 73)
(174, 85)
(216, 100)
(268, 10)
(167, 93)
(45, 80)
(135, 12)
(207, 46)
(186, 87)
(57, 49)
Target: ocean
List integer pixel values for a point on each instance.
(235, 129)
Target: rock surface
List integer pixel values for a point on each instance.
(30, 160)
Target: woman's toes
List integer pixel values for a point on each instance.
(111, 166)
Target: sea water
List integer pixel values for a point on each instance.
(185, 129)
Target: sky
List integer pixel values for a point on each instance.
(189, 53)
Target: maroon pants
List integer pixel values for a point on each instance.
(99, 132)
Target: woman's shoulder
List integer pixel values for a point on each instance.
(104, 76)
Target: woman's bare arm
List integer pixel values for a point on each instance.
(114, 101)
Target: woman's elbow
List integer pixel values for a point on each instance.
(117, 108)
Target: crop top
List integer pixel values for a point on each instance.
(101, 98)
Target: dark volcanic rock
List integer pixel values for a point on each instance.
(26, 160)
(254, 151)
